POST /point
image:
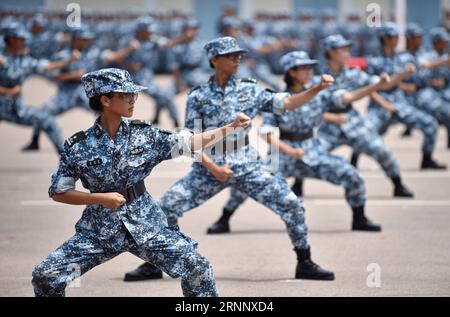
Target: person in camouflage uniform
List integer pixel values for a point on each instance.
(301, 155)
(234, 162)
(15, 66)
(112, 158)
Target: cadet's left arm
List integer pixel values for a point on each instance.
(115, 56)
(201, 140)
(352, 96)
(63, 62)
(298, 100)
(382, 102)
(14, 91)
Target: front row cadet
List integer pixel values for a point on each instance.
(112, 158)
(239, 166)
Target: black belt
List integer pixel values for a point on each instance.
(133, 192)
(227, 144)
(296, 136)
(340, 109)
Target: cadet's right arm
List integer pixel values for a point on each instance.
(111, 200)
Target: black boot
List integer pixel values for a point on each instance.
(308, 270)
(399, 189)
(34, 144)
(144, 272)
(222, 225)
(429, 163)
(362, 223)
(354, 159)
(297, 188)
(406, 133)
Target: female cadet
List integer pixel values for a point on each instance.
(112, 159)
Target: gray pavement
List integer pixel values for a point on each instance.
(411, 255)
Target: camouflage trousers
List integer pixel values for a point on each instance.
(30, 116)
(170, 250)
(434, 103)
(407, 114)
(268, 189)
(65, 100)
(362, 140)
(331, 168)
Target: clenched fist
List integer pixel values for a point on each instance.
(326, 80)
(241, 121)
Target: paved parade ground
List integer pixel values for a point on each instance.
(411, 257)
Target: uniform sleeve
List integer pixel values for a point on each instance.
(193, 117)
(335, 98)
(172, 145)
(65, 177)
(365, 79)
(269, 125)
(172, 59)
(38, 66)
(372, 66)
(269, 101)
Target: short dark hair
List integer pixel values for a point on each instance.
(95, 103)
(288, 80)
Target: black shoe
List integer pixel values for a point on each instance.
(354, 160)
(308, 270)
(402, 191)
(432, 165)
(406, 133)
(155, 121)
(365, 224)
(33, 146)
(144, 272)
(219, 227)
(297, 188)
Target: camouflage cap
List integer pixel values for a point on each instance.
(332, 42)
(439, 34)
(147, 24)
(294, 59)
(16, 30)
(39, 19)
(389, 29)
(191, 24)
(107, 80)
(231, 22)
(82, 33)
(221, 46)
(413, 29)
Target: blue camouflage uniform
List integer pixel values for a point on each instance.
(14, 72)
(147, 57)
(189, 59)
(405, 113)
(43, 44)
(210, 106)
(297, 130)
(71, 94)
(255, 64)
(357, 132)
(139, 226)
(433, 100)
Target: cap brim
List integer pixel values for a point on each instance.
(131, 88)
(236, 50)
